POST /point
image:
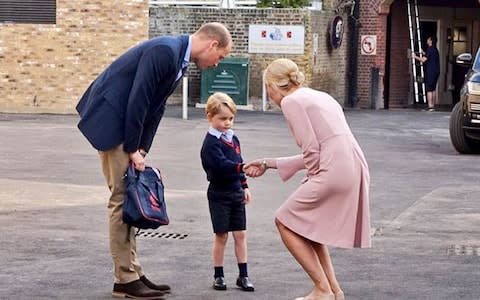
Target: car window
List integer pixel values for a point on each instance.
(476, 63)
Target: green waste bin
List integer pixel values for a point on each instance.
(230, 77)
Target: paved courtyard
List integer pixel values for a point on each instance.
(424, 207)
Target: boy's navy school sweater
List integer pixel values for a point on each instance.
(222, 161)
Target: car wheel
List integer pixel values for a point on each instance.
(457, 134)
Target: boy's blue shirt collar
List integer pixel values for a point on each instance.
(218, 134)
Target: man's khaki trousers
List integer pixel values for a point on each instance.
(124, 254)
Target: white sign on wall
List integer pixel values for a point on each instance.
(369, 44)
(283, 39)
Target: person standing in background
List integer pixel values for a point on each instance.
(431, 60)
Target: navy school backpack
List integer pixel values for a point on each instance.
(144, 205)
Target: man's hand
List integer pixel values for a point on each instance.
(138, 160)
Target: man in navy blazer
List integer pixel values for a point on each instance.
(119, 115)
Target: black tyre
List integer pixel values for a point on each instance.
(457, 135)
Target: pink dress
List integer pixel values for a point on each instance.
(331, 205)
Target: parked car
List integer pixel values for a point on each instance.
(465, 116)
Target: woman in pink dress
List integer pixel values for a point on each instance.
(331, 206)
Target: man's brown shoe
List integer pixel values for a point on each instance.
(135, 290)
(158, 287)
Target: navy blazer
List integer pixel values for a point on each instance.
(126, 102)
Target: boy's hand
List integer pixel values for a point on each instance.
(248, 196)
(255, 168)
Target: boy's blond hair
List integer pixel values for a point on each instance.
(215, 102)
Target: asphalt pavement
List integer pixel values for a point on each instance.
(53, 216)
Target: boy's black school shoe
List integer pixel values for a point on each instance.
(219, 284)
(245, 284)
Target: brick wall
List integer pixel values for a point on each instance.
(329, 69)
(373, 21)
(46, 68)
(325, 72)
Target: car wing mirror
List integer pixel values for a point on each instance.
(464, 59)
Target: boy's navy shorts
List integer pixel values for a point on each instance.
(227, 210)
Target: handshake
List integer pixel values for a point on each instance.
(256, 168)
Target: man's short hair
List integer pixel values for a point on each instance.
(216, 31)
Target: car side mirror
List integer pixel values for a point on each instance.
(464, 59)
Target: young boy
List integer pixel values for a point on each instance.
(228, 190)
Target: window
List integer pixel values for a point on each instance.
(459, 40)
(28, 11)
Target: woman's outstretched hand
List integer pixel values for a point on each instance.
(255, 168)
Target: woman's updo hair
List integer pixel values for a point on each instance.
(284, 74)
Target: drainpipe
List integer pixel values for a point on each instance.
(352, 73)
